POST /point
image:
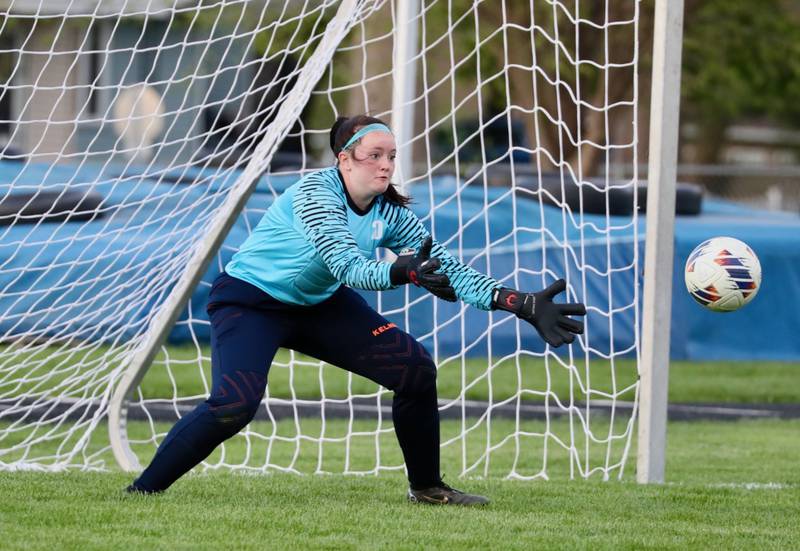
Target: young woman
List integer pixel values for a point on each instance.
(290, 286)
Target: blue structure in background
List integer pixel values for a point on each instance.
(765, 329)
(66, 282)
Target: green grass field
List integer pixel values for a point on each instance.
(729, 484)
(731, 382)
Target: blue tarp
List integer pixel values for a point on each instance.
(768, 327)
(59, 278)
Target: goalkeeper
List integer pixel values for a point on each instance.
(290, 286)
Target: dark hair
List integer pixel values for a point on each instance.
(343, 129)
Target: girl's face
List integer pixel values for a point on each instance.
(368, 166)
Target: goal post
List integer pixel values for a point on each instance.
(207, 247)
(658, 268)
(404, 85)
(141, 142)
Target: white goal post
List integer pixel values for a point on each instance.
(141, 141)
(662, 175)
(207, 248)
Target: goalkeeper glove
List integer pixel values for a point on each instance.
(538, 309)
(420, 269)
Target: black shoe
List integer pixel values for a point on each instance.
(442, 494)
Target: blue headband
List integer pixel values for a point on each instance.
(375, 127)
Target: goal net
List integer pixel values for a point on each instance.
(142, 140)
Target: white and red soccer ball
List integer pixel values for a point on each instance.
(723, 274)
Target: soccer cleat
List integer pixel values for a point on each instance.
(445, 495)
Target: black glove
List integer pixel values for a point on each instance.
(538, 309)
(419, 269)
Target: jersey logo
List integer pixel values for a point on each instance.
(382, 329)
(377, 229)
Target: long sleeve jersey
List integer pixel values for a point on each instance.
(314, 238)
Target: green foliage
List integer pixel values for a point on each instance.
(742, 58)
(279, 28)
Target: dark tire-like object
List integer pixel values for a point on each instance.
(50, 206)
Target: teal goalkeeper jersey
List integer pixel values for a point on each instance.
(314, 238)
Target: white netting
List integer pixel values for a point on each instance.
(129, 127)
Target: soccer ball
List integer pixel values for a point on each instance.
(723, 274)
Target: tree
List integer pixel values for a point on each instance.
(741, 60)
(573, 62)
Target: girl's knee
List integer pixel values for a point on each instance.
(235, 401)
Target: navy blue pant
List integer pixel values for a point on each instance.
(247, 328)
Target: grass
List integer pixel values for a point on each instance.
(690, 382)
(306, 445)
(730, 484)
(705, 505)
